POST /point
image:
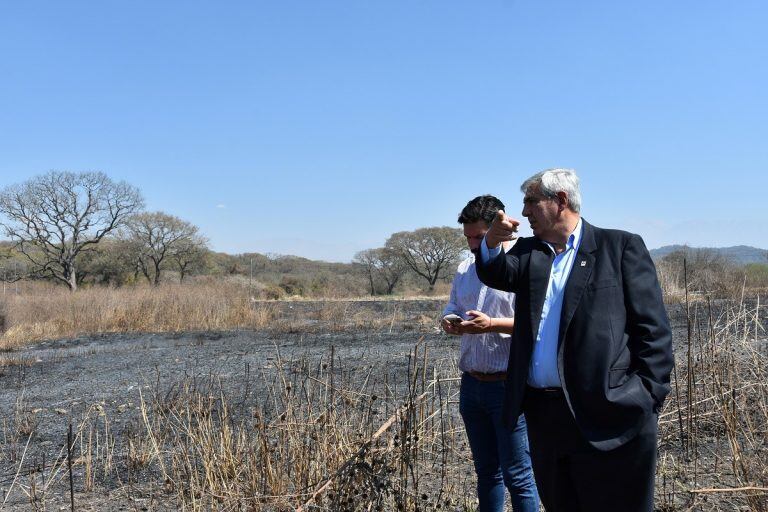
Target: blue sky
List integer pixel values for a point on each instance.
(319, 128)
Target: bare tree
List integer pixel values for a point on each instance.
(188, 254)
(155, 237)
(367, 259)
(55, 217)
(382, 266)
(429, 252)
(391, 268)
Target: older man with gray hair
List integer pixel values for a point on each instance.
(591, 352)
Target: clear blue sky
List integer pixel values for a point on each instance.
(319, 128)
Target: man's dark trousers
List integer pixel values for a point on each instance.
(572, 475)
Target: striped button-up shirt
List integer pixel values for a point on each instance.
(486, 352)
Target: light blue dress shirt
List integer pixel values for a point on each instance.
(542, 372)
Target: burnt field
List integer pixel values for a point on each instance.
(334, 405)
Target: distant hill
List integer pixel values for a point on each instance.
(739, 254)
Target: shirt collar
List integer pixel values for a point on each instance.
(574, 239)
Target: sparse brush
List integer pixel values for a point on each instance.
(713, 431)
(325, 433)
(316, 435)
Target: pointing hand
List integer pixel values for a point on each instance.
(502, 229)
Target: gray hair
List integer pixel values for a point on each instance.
(551, 181)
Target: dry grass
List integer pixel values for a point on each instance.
(316, 436)
(47, 312)
(327, 435)
(322, 437)
(714, 428)
(43, 311)
(300, 434)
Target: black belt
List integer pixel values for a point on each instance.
(489, 377)
(545, 392)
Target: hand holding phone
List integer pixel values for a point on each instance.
(454, 319)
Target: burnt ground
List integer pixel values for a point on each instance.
(51, 384)
(54, 383)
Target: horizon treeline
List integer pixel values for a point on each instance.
(83, 229)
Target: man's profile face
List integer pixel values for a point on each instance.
(474, 233)
(542, 214)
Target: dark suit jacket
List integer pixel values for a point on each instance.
(614, 353)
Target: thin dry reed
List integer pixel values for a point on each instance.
(714, 427)
(301, 434)
(321, 436)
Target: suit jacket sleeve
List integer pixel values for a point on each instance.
(650, 336)
(500, 272)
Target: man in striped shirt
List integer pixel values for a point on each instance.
(501, 456)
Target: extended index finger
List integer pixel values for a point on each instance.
(505, 220)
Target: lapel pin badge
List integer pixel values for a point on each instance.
(583, 263)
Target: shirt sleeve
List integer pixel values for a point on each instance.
(507, 309)
(453, 303)
(487, 254)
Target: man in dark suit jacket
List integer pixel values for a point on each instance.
(591, 352)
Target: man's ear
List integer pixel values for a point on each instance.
(562, 200)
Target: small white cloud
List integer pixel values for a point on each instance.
(222, 206)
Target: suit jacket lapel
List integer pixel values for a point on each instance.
(539, 269)
(577, 280)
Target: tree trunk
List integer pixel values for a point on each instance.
(72, 281)
(182, 273)
(145, 271)
(69, 275)
(157, 274)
